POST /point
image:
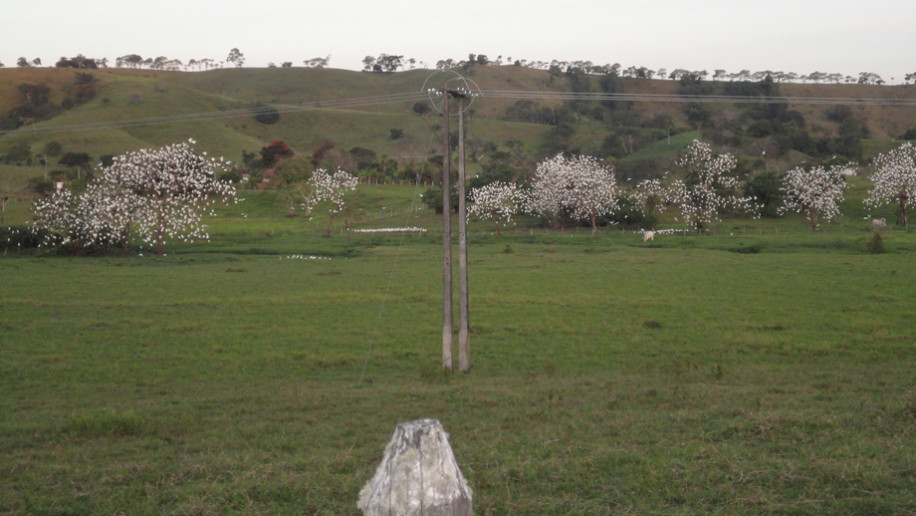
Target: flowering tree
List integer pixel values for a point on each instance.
(651, 194)
(162, 193)
(579, 187)
(330, 188)
(894, 179)
(708, 188)
(496, 201)
(171, 188)
(815, 192)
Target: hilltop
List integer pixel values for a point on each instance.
(359, 119)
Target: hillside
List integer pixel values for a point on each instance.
(524, 113)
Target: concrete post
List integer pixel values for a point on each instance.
(418, 476)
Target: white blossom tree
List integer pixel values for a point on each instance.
(651, 194)
(894, 179)
(579, 187)
(172, 187)
(331, 188)
(815, 192)
(496, 201)
(162, 193)
(708, 187)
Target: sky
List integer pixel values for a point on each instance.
(801, 36)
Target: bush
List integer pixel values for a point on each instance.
(266, 114)
(629, 214)
(876, 244)
(17, 238)
(432, 198)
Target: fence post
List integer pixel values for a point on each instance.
(418, 476)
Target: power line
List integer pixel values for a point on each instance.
(673, 97)
(224, 114)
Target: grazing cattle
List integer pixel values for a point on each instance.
(648, 235)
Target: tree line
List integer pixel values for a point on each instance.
(388, 63)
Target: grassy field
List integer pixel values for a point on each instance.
(761, 368)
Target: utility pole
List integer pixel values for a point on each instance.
(447, 318)
(464, 342)
(464, 338)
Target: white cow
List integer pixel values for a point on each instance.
(878, 223)
(648, 235)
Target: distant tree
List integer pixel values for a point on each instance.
(22, 62)
(421, 108)
(870, 78)
(320, 153)
(2, 65)
(894, 179)
(330, 188)
(36, 61)
(708, 188)
(266, 114)
(275, 151)
(287, 64)
(75, 159)
(78, 161)
(235, 58)
(765, 188)
(317, 62)
(651, 195)
(388, 63)
(53, 148)
(496, 201)
(579, 187)
(129, 60)
(815, 192)
(82, 89)
(445, 64)
(80, 61)
(35, 95)
(19, 154)
(162, 193)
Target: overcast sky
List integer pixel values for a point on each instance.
(801, 36)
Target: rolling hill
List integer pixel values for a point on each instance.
(631, 122)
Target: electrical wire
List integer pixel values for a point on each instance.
(673, 97)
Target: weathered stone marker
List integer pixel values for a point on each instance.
(418, 476)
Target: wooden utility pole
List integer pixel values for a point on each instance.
(464, 339)
(447, 318)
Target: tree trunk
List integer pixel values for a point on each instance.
(904, 200)
(418, 476)
(330, 221)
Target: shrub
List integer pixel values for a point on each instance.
(266, 114)
(876, 244)
(432, 198)
(15, 238)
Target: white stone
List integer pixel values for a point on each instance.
(418, 476)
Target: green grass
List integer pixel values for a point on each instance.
(682, 376)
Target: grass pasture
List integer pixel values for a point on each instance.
(759, 369)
